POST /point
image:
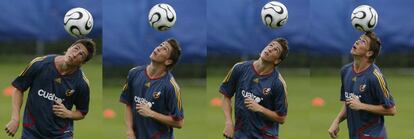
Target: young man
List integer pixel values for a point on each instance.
(260, 95)
(152, 96)
(364, 93)
(56, 83)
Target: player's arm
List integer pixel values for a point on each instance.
(128, 121)
(61, 111)
(168, 120)
(334, 128)
(17, 101)
(379, 109)
(145, 110)
(227, 109)
(356, 104)
(341, 115)
(76, 115)
(272, 115)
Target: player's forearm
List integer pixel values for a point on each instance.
(17, 100)
(76, 115)
(379, 109)
(226, 106)
(273, 115)
(341, 115)
(168, 120)
(128, 118)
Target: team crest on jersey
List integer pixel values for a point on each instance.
(354, 79)
(256, 80)
(58, 80)
(156, 95)
(69, 92)
(266, 91)
(148, 84)
(362, 88)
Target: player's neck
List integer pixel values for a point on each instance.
(62, 67)
(156, 70)
(360, 64)
(263, 67)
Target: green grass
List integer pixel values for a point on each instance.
(194, 104)
(305, 121)
(205, 121)
(86, 128)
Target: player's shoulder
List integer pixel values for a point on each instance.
(346, 67)
(38, 62)
(375, 72)
(84, 79)
(171, 83)
(279, 76)
(136, 69)
(42, 59)
(242, 65)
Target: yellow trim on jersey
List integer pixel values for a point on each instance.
(381, 82)
(284, 88)
(177, 93)
(227, 78)
(125, 87)
(37, 59)
(85, 79)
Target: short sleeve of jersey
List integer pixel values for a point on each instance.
(126, 96)
(380, 90)
(229, 84)
(174, 102)
(83, 97)
(342, 91)
(26, 77)
(281, 103)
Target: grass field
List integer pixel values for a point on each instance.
(205, 121)
(305, 121)
(84, 129)
(194, 104)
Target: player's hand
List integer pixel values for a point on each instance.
(60, 110)
(333, 130)
(12, 127)
(228, 130)
(354, 103)
(252, 105)
(130, 135)
(144, 110)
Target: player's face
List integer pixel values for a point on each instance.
(76, 54)
(161, 53)
(361, 46)
(272, 52)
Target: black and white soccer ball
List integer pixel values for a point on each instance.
(364, 18)
(274, 14)
(162, 17)
(78, 22)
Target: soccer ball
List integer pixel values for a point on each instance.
(364, 18)
(78, 22)
(162, 17)
(274, 14)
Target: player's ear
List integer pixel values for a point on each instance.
(277, 61)
(369, 53)
(168, 62)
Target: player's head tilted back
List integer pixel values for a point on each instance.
(276, 51)
(80, 52)
(367, 46)
(168, 52)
